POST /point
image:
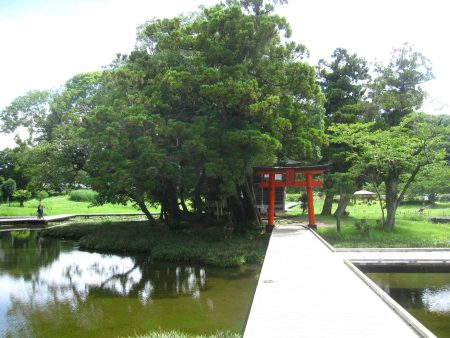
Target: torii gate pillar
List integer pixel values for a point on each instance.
(310, 195)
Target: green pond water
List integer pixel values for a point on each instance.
(424, 295)
(49, 288)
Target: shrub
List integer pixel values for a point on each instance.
(22, 195)
(293, 197)
(40, 195)
(444, 198)
(83, 195)
(362, 226)
(8, 188)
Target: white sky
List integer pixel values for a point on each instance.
(46, 42)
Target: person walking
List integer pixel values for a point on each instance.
(304, 202)
(40, 211)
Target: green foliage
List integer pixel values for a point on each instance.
(393, 156)
(397, 89)
(11, 168)
(40, 195)
(8, 188)
(211, 247)
(83, 195)
(21, 234)
(200, 102)
(344, 82)
(29, 111)
(362, 226)
(293, 197)
(433, 180)
(22, 195)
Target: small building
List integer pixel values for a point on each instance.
(262, 194)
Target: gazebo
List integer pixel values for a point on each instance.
(365, 194)
(290, 176)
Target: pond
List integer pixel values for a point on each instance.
(424, 295)
(49, 288)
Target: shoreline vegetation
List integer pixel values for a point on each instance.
(210, 246)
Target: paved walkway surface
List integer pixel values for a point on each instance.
(34, 220)
(392, 256)
(306, 290)
(31, 220)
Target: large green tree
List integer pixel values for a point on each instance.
(394, 156)
(8, 188)
(397, 88)
(56, 162)
(344, 81)
(11, 168)
(200, 102)
(28, 111)
(433, 180)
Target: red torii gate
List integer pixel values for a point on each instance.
(290, 175)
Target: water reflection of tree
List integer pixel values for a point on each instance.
(47, 300)
(409, 298)
(23, 253)
(431, 299)
(141, 279)
(146, 280)
(80, 289)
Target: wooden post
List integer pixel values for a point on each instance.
(309, 193)
(271, 209)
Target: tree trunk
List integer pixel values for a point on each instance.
(182, 201)
(237, 210)
(250, 202)
(344, 199)
(380, 200)
(338, 223)
(196, 201)
(391, 201)
(432, 198)
(145, 210)
(327, 204)
(172, 208)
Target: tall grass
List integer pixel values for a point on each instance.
(209, 246)
(83, 195)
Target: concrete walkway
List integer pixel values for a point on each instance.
(307, 290)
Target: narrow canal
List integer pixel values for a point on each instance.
(424, 295)
(49, 288)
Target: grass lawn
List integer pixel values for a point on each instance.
(413, 228)
(59, 205)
